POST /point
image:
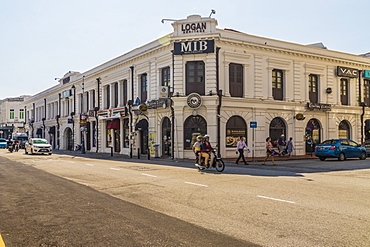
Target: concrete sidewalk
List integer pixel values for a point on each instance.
(187, 162)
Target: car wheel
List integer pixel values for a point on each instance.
(25, 151)
(341, 157)
(49, 153)
(363, 156)
(322, 158)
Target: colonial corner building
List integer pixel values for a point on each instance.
(204, 80)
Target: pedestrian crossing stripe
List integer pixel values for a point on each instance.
(1, 242)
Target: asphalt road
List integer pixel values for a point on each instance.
(97, 202)
(41, 209)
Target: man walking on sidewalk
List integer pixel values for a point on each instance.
(240, 148)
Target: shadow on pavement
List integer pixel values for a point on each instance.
(293, 168)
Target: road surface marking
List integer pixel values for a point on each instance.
(197, 184)
(148, 175)
(275, 199)
(2, 244)
(116, 169)
(89, 164)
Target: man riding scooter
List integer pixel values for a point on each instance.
(206, 148)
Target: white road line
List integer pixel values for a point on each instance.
(275, 199)
(197, 184)
(148, 175)
(116, 169)
(89, 164)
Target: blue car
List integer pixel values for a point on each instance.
(341, 149)
(3, 143)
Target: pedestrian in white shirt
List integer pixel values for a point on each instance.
(240, 149)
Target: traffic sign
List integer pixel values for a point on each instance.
(253, 124)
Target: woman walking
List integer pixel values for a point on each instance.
(269, 152)
(240, 148)
(290, 147)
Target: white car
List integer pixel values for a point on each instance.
(38, 146)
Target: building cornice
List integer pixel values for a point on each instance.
(314, 53)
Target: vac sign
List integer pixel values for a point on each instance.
(347, 72)
(194, 47)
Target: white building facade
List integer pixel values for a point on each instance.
(205, 80)
(12, 116)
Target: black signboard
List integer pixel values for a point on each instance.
(194, 47)
(347, 72)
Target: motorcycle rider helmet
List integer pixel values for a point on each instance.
(199, 138)
(206, 136)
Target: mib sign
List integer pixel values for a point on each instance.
(194, 47)
(347, 72)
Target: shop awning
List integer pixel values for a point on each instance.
(114, 124)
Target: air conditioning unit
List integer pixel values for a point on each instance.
(163, 92)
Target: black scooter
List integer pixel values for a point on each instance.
(214, 162)
(10, 148)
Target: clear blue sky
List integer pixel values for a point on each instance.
(43, 39)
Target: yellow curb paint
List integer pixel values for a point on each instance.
(1, 242)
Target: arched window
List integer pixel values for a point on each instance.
(277, 128)
(193, 126)
(235, 127)
(344, 130)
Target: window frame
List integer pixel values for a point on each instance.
(124, 93)
(143, 87)
(194, 87)
(21, 113)
(11, 114)
(236, 80)
(107, 93)
(344, 91)
(313, 88)
(277, 93)
(367, 92)
(166, 76)
(116, 90)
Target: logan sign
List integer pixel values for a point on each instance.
(194, 47)
(199, 27)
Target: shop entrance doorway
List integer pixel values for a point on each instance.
(143, 126)
(166, 137)
(68, 139)
(313, 134)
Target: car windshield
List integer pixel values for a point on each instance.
(329, 142)
(2, 140)
(40, 142)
